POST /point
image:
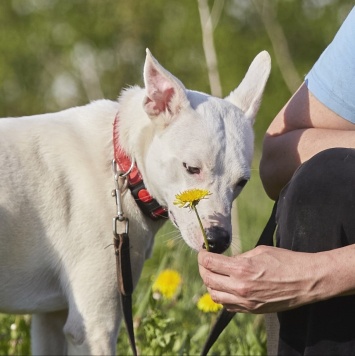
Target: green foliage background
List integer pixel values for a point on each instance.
(60, 53)
(56, 54)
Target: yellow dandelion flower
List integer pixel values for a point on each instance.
(190, 198)
(207, 305)
(167, 283)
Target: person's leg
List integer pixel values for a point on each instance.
(316, 212)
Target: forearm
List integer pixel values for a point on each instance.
(339, 279)
(323, 275)
(282, 154)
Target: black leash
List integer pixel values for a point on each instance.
(124, 279)
(225, 316)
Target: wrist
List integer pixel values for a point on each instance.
(335, 275)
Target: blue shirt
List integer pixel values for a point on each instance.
(332, 78)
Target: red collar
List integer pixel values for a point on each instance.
(145, 201)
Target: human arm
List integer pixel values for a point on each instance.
(302, 128)
(268, 279)
(309, 124)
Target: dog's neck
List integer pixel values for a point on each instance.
(126, 162)
(134, 129)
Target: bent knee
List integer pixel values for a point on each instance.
(328, 173)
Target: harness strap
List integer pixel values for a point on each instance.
(225, 316)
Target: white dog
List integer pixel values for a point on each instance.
(56, 207)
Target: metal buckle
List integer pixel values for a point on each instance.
(116, 232)
(121, 173)
(120, 189)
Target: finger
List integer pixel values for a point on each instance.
(223, 297)
(216, 263)
(233, 302)
(229, 301)
(216, 282)
(235, 308)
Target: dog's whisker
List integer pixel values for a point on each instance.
(171, 236)
(236, 244)
(174, 237)
(166, 229)
(174, 233)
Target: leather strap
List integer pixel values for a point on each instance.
(225, 316)
(123, 264)
(125, 285)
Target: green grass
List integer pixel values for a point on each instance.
(177, 326)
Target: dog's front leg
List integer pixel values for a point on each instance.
(93, 333)
(47, 336)
(94, 304)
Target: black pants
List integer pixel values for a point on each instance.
(316, 212)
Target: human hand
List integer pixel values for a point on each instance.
(265, 279)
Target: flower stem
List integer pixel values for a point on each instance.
(202, 229)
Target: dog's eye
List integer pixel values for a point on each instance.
(242, 183)
(191, 170)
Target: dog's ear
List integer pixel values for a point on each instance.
(248, 95)
(164, 93)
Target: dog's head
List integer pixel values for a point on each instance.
(201, 142)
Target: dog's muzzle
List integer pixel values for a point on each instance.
(218, 239)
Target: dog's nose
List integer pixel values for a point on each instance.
(218, 239)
